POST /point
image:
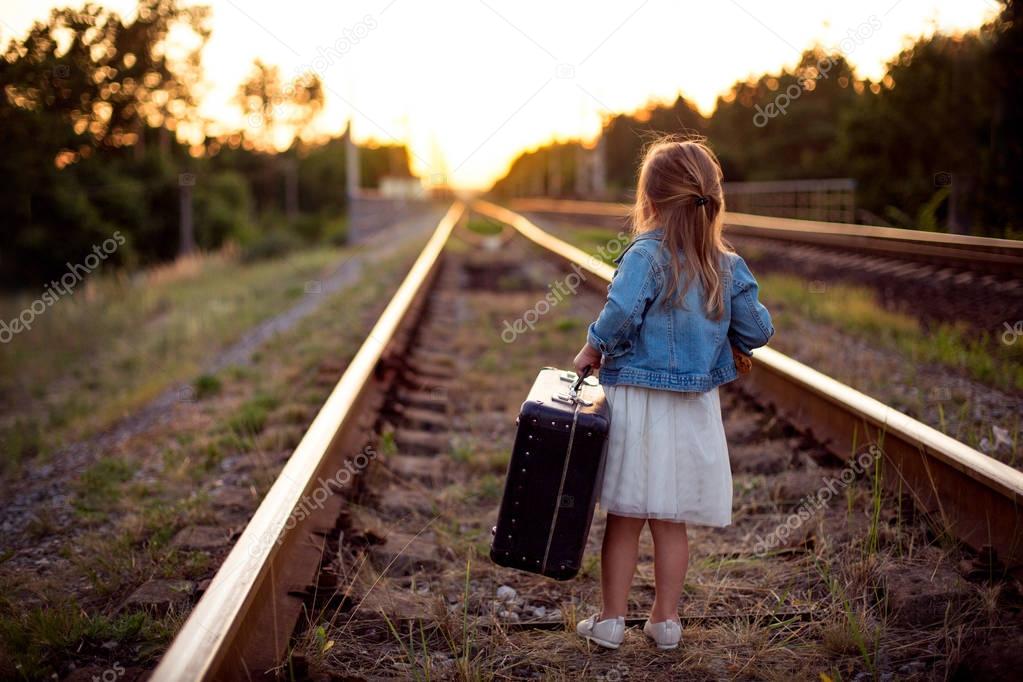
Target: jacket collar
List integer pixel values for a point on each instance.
(657, 233)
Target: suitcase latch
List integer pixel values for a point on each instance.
(571, 399)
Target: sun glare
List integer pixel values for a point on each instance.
(467, 101)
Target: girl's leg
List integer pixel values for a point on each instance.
(671, 559)
(618, 557)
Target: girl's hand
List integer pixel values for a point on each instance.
(587, 357)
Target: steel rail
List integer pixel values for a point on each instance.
(963, 491)
(241, 626)
(1003, 255)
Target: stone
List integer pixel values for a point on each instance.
(506, 593)
(403, 554)
(421, 417)
(422, 442)
(231, 497)
(429, 470)
(921, 596)
(398, 501)
(396, 603)
(204, 538)
(159, 596)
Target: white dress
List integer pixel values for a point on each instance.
(667, 457)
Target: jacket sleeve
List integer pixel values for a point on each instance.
(751, 322)
(632, 288)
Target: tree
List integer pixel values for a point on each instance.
(81, 86)
(277, 113)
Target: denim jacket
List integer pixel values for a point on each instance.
(647, 343)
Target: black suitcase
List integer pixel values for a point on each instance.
(556, 465)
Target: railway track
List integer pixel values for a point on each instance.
(366, 558)
(911, 255)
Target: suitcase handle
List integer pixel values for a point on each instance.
(573, 397)
(587, 370)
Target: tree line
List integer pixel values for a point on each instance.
(90, 112)
(936, 143)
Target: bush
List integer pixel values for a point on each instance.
(335, 232)
(272, 244)
(252, 415)
(222, 206)
(206, 385)
(20, 441)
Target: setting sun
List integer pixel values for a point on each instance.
(470, 84)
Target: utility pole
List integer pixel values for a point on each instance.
(599, 186)
(351, 165)
(581, 167)
(291, 188)
(554, 171)
(186, 225)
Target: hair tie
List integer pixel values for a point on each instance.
(701, 200)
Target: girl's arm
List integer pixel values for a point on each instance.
(751, 323)
(630, 292)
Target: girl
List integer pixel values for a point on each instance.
(679, 298)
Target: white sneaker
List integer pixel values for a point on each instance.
(608, 633)
(666, 634)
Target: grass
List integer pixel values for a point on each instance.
(137, 498)
(20, 439)
(119, 341)
(461, 450)
(206, 385)
(98, 489)
(484, 226)
(857, 311)
(595, 240)
(251, 416)
(67, 631)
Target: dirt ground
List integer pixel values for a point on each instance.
(842, 585)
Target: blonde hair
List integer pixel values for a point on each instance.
(679, 189)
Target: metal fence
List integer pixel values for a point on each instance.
(832, 199)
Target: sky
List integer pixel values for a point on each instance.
(469, 84)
